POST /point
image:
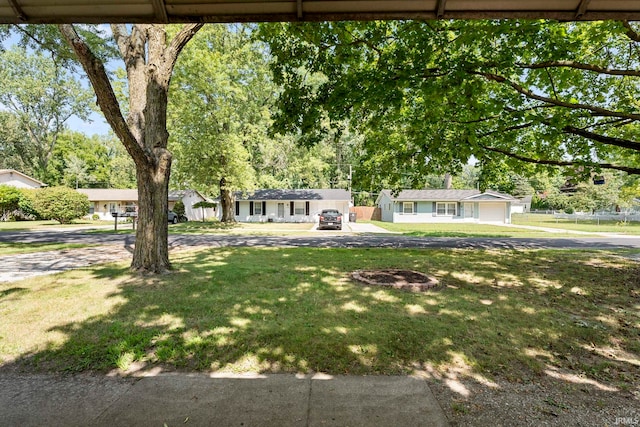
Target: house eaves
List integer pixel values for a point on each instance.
(431, 195)
(110, 194)
(15, 172)
(301, 194)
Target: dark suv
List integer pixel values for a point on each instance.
(330, 218)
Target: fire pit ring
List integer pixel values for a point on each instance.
(408, 280)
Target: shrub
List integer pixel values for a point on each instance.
(9, 201)
(95, 217)
(26, 209)
(61, 204)
(179, 208)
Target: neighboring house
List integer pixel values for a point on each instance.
(422, 206)
(17, 179)
(522, 205)
(290, 205)
(190, 198)
(105, 201)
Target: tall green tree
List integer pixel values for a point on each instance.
(41, 96)
(430, 95)
(149, 58)
(220, 111)
(15, 146)
(79, 161)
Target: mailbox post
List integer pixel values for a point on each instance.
(115, 217)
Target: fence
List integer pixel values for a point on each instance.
(595, 217)
(370, 213)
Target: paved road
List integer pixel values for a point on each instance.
(127, 241)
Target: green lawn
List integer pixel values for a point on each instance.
(264, 228)
(460, 230)
(12, 248)
(40, 225)
(589, 225)
(498, 314)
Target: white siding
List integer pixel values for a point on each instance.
(18, 181)
(386, 206)
(271, 211)
(195, 214)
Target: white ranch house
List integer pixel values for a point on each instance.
(425, 206)
(105, 201)
(290, 205)
(17, 179)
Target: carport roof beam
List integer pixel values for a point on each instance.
(442, 6)
(582, 8)
(18, 10)
(160, 11)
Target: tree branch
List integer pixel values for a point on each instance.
(580, 66)
(608, 140)
(631, 32)
(105, 96)
(574, 106)
(121, 35)
(178, 43)
(629, 170)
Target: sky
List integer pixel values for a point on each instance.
(97, 126)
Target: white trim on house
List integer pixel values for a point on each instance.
(430, 206)
(17, 179)
(104, 201)
(280, 205)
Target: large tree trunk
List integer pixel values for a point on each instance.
(151, 253)
(227, 205)
(149, 62)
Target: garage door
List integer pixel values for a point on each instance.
(491, 212)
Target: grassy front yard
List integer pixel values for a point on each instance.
(42, 225)
(461, 230)
(209, 227)
(14, 248)
(507, 314)
(589, 225)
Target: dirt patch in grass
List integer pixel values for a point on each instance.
(543, 401)
(408, 280)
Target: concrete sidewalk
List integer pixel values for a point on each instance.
(201, 400)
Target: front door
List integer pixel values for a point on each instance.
(280, 210)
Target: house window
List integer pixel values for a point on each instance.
(446, 209)
(407, 208)
(257, 208)
(299, 208)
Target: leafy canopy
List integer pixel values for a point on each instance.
(429, 96)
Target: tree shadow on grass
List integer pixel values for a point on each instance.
(514, 315)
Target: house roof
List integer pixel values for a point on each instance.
(180, 194)
(307, 194)
(446, 195)
(435, 195)
(128, 194)
(108, 194)
(491, 195)
(13, 171)
(172, 11)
